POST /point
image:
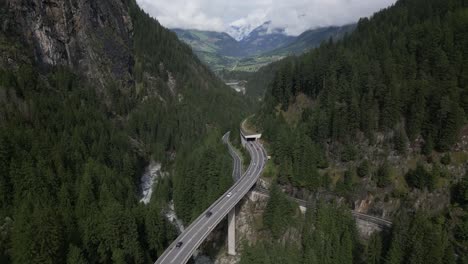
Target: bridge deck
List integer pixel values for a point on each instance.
(200, 228)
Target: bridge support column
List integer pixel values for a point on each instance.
(232, 232)
(243, 141)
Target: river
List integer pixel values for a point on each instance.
(150, 177)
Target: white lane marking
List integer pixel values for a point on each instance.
(188, 230)
(162, 260)
(256, 173)
(203, 225)
(257, 170)
(226, 212)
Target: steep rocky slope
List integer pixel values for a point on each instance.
(92, 37)
(379, 119)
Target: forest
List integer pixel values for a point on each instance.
(72, 153)
(328, 234)
(402, 74)
(72, 150)
(404, 67)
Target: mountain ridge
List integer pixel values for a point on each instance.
(263, 39)
(262, 46)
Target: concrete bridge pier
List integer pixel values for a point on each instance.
(232, 232)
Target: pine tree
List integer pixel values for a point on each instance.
(278, 212)
(42, 223)
(75, 255)
(460, 192)
(400, 141)
(374, 249)
(363, 169)
(383, 175)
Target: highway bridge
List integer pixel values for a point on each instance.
(183, 247)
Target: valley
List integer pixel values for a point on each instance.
(234, 132)
(256, 49)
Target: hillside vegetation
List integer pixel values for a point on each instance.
(376, 119)
(74, 138)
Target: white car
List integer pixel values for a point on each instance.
(229, 194)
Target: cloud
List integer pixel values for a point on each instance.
(182, 14)
(295, 16)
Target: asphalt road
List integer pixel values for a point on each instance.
(382, 222)
(196, 233)
(236, 160)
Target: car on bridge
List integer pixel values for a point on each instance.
(208, 214)
(229, 194)
(179, 244)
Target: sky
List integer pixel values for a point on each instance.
(295, 16)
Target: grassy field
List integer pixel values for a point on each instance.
(252, 64)
(218, 62)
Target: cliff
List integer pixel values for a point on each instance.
(91, 37)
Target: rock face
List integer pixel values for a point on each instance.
(249, 210)
(92, 37)
(366, 228)
(149, 178)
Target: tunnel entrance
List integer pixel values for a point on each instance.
(248, 137)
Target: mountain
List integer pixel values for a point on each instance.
(91, 92)
(377, 123)
(263, 39)
(295, 46)
(239, 32)
(220, 51)
(311, 39)
(260, 47)
(209, 41)
(211, 47)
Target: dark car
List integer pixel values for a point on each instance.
(208, 214)
(179, 244)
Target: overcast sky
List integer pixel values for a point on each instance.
(295, 16)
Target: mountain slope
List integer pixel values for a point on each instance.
(260, 47)
(263, 39)
(260, 40)
(209, 41)
(312, 39)
(215, 49)
(90, 92)
(394, 70)
(375, 121)
(95, 47)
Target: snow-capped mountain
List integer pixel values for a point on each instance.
(240, 30)
(247, 41)
(264, 38)
(220, 50)
(238, 33)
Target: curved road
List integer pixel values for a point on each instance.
(382, 222)
(200, 228)
(237, 163)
